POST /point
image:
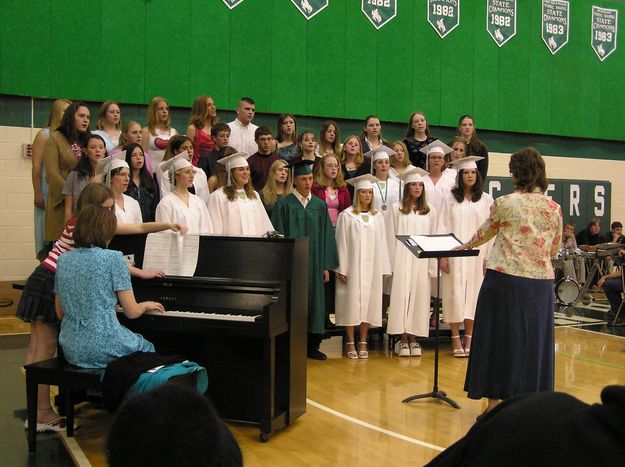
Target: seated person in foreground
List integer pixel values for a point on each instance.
(545, 428)
(172, 425)
(89, 282)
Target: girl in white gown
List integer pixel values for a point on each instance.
(464, 210)
(177, 145)
(179, 205)
(236, 209)
(409, 310)
(116, 174)
(363, 261)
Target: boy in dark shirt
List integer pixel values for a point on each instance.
(260, 162)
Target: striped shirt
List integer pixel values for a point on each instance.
(64, 244)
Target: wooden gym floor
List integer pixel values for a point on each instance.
(354, 412)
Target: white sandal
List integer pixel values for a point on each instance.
(467, 348)
(458, 353)
(363, 354)
(351, 354)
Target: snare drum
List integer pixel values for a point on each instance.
(567, 291)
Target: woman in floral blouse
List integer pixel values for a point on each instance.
(513, 343)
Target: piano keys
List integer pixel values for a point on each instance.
(243, 316)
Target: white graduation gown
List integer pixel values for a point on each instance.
(451, 174)
(363, 258)
(386, 195)
(200, 184)
(131, 213)
(437, 193)
(409, 310)
(238, 217)
(461, 286)
(195, 216)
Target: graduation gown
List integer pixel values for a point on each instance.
(409, 310)
(200, 184)
(386, 193)
(195, 216)
(242, 216)
(436, 194)
(363, 258)
(290, 218)
(131, 214)
(460, 287)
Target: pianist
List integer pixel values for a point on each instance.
(89, 282)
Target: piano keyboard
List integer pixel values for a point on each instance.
(201, 315)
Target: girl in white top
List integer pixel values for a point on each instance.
(236, 209)
(409, 309)
(179, 205)
(117, 176)
(363, 261)
(109, 124)
(464, 210)
(180, 144)
(156, 135)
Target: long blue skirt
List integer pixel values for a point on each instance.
(512, 350)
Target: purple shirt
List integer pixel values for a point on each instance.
(259, 167)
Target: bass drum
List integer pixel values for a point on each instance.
(567, 291)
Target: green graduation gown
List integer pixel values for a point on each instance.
(290, 218)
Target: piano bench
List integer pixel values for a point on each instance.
(57, 372)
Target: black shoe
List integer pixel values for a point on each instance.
(316, 354)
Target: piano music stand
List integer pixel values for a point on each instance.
(416, 250)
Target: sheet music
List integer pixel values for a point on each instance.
(172, 253)
(435, 243)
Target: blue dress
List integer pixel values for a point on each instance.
(87, 280)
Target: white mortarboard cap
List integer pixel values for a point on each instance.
(468, 162)
(413, 175)
(174, 164)
(362, 182)
(436, 147)
(381, 152)
(108, 164)
(238, 159)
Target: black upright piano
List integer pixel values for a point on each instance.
(243, 316)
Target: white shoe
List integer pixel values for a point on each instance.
(415, 350)
(404, 350)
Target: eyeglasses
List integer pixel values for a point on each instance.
(436, 158)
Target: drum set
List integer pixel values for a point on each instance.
(578, 266)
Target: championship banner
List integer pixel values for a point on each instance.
(309, 8)
(443, 15)
(604, 28)
(501, 20)
(379, 12)
(232, 3)
(555, 29)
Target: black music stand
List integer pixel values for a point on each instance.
(420, 252)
